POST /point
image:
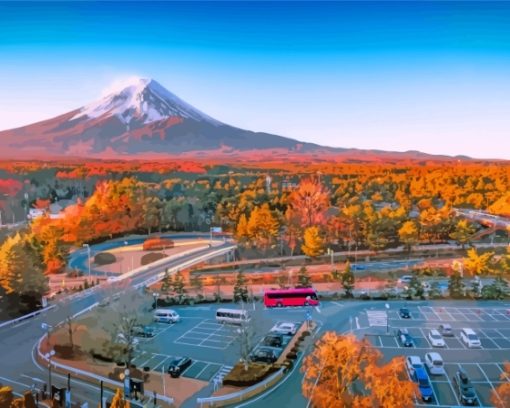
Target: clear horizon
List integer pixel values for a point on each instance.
(431, 77)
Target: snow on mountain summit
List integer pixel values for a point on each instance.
(144, 101)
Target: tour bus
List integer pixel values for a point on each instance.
(232, 316)
(290, 297)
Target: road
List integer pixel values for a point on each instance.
(484, 218)
(18, 367)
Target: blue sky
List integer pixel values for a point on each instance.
(430, 76)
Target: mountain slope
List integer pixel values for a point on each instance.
(144, 120)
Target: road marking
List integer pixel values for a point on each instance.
(490, 383)
(33, 378)
(357, 323)
(160, 363)
(338, 304)
(377, 318)
(201, 371)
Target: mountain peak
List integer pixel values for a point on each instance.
(143, 101)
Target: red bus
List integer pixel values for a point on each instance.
(290, 297)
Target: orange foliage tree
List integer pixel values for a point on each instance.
(341, 368)
(310, 202)
(500, 396)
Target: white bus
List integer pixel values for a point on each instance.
(232, 316)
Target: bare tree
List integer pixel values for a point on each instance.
(246, 332)
(122, 318)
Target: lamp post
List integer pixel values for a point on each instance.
(155, 295)
(48, 357)
(125, 377)
(88, 255)
(47, 328)
(387, 305)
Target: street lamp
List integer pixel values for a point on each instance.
(49, 356)
(88, 255)
(125, 376)
(387, 305)
(47, 328)
(155, 295)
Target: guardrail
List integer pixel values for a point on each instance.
(204, 257)
(27, 316)
(239, 396)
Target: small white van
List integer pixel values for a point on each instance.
(232, 316)
(469, 338)
(434, 363)
(166, 316)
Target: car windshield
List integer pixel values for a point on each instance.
(417, 365)
(435, 336)
(468, 392)
(472, 337)
(424, 383)
(438, 363)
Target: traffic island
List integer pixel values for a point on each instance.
(241, 384)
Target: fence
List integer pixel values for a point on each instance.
(243, 395)
(27, 316)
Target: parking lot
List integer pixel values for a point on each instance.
(211, 346)
(200, 370)
(209, 334)
(483, 365)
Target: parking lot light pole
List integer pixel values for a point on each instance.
(88, 255)
(155, 295)
(387, 305)
(48, 357)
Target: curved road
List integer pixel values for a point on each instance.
(17, 342)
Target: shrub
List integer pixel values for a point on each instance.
(104, 258)
(294, 349)
(157, 244)
(152, 257)
(64, 350)
(291, 355)
(256, 372)
(305, 333)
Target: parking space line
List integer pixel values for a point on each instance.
(146, 361)
(161, 363)
(453, 390)
(501, 334)
(201, 371)
(490, 383)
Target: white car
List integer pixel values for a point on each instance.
(285, 328)
(436, 339)
(405, 279)
(412, 363)
(434, 363)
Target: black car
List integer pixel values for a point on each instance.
(264, 355)
(273, 340)
(143, 331)
(178, 365)
(405, 338)
(464, 389)
(404, 313)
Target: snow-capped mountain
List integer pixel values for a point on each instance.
(143, 101)
(143, 120)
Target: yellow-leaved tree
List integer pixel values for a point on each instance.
(313, 242)
(263, 227)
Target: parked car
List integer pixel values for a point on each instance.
(405, 279)
(464, 389)
(264, 355)
(285, 328)
(422, 379)
(177, 366)
(143, 331)
(273, 340)
(412, 363)
(435, 338)
(166, 316)
(446, 330)
(405, 338)
(404, 313)
(469, 338)
(434, 363)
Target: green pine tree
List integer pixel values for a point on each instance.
(178, 286)
(166, 283)
(303, 277)
(240, 288)
(456, 286)
(416, 287)
(347, 280)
